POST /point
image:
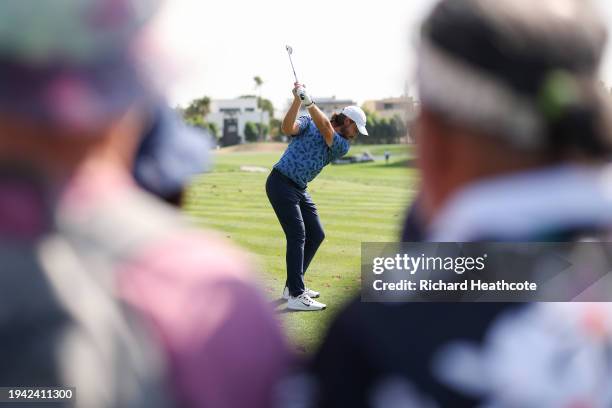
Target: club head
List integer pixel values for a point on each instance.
(289, 49)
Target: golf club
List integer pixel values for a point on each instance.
(290, 51)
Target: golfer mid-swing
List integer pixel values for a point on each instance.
(315, 142)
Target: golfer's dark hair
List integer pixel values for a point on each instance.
(337, 119)
(545, 54)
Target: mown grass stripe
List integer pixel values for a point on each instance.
(357, 203)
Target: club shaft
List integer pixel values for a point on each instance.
(292, 67)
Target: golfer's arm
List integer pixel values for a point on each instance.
(322, 123)
(289, 126)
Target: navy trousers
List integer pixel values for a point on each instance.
(301, 224)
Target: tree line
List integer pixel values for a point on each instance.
(381, 130)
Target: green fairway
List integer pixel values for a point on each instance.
(357, 203)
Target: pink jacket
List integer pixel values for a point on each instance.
(195, 291)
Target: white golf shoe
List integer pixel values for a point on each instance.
(311, 293)
(304, 302)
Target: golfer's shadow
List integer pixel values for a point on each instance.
(278, 302)
(280, 310)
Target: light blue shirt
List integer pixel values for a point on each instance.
(308, 153)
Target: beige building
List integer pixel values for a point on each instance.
(406, 107)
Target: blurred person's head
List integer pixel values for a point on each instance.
(169, 155)
(71, 84)
(508, 86)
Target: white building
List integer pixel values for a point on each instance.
(231, 115)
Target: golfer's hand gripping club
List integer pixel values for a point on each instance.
(304, 97)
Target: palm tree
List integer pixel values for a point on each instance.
(198, 108)
(196, 111)
(258, 83)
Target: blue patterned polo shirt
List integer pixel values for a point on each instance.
(308, 153)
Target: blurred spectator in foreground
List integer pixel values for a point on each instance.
(413, 229)
(104, 287)
(169, 155)
(512, 143)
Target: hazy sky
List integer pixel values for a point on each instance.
(348, 48)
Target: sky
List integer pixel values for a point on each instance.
(353, 49)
